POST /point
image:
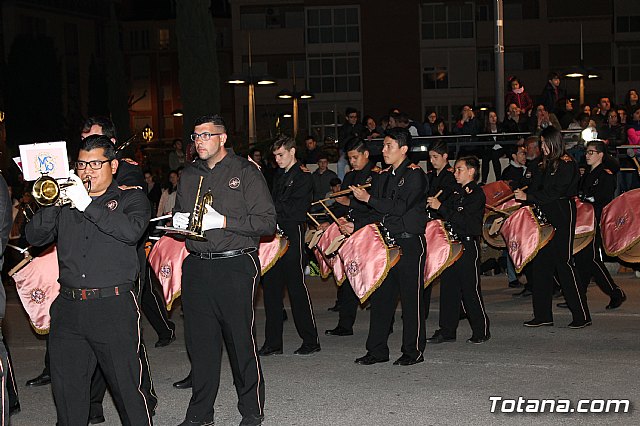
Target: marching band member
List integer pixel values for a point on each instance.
(398, 198)
(220, 275)
(597, 186)
(464, 210)
(553, 192)
(292, 189)
(95, 319)
(362, 172)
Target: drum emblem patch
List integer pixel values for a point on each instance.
(513, 246)
(165, 271)
(38, 296)
(621, 221)
(353, 268)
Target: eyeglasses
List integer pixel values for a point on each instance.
(95, 164)
(205, 136)
(592, 151)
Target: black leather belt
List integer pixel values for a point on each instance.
(469, 238)
(94, 293)
(404, 235)
(223, 254)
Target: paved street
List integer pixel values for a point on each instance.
(451, 387)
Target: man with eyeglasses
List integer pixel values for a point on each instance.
(95, 319)
(220, 275)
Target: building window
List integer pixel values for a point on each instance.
(338, 25)
(522, 58)
(163, 38)
(627, 24)
(628, 63)
(435, 78)
(450, 21)
(268, 17)
(139, 40)
(485, 60)
(323, 125)
(339, 72)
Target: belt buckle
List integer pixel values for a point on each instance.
(205, 256)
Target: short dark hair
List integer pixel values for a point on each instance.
(283, 141)
(552, 75)
(108, 128)
(335, 181)
(604, 97)
(401, 117)
(313, 138)
(350, 110)
(400, 135)
(99, 141)
(356, 144)
(472, 162)
(322, 156)
(440, 147)
(214, 119)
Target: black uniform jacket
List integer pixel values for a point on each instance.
(97, 247)
(129, 174)
(359, 212)
(553, 184)
(464, 210)
(239, 192)
(597, 187)
(398, 199)
(292, 192)
(444, 181)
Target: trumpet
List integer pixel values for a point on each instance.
(49, 192)
(194, 229)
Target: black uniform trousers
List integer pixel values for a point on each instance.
(589, 263)
(406, 278)
(98, 331)
(217, 298)
(461, 282)
(5, 372)
(7, 368)
(348, 304)
(289, 272)
(153, 306)
(555, 257)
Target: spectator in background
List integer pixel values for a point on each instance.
(586, 108)
(266, 169)
(629, 180)
(372, 129)
(564, 112)
(384, 123)
(168, 197)
(402, 120)
(542, 119)
(321, 179)
(312, 152)
(517, 95)
(604, 105)
(491, 154)
(467, 123)
(176, 157)
(153, 190)
(552, 92)
(440, 128)
(622, 114)
(631, 99)
(515, 121)
(351, 128)
(612, 132)
(430, 119)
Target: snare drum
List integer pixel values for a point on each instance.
(166, 259)
(443, 249)
(325, 262)
(620, 227)
(585, 228)
(367, 259)
(526, 232)
(271, 249)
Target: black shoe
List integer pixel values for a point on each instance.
(307, 349)
(478, 340)
(268, 351)
(515, 284)
(96, 420)
(616, 301)
(14, 409)
(562, 305)
(339, 331)
(439, 338)
(197, 423)
(370, 360)
(161, 343)
(41, 380)
(334, 308)
(580, 324)
(525, 292)
(407, 360)
(251, 420)
(537, 323)
(184, 383)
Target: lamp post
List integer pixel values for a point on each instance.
(581, 71)
(295, 95)
(251, 80)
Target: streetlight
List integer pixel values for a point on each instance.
(147, 133)
(177, 113)
(251, 80)
(581, 71)
(295, 95)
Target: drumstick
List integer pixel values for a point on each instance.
(335, 219)
(498, 210)
(635, 160)
(20, 249)
(23, 262)
(340, 193)
(313, 219)
(507, 198)
(166, 216)
(438, 194)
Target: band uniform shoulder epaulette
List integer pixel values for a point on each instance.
(130, 161)
(608, 171)
(566, 158)
(413, 166)
(385, 170)
(304, 169)
(376, 169)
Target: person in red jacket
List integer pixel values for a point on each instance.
(518, 96)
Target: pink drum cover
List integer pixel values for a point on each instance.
(366, 260)
(522, 235)
(620, 223)
(508, 205)
(496, 191)
(333, 262)
(439, 253)
(271, 248)
(585, 218)
(37, 285)
(166, 259)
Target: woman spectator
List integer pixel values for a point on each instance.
(371, 128)
(492, 153)
(629, 180)
(631, 99)
(440, 128)
(518, 96)
(430, 119)
(613, 133)
(168, 198)
(564, 112)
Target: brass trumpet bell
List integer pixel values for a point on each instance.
(48, 192)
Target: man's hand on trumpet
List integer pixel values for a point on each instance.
(77, 193)
(181, 220)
